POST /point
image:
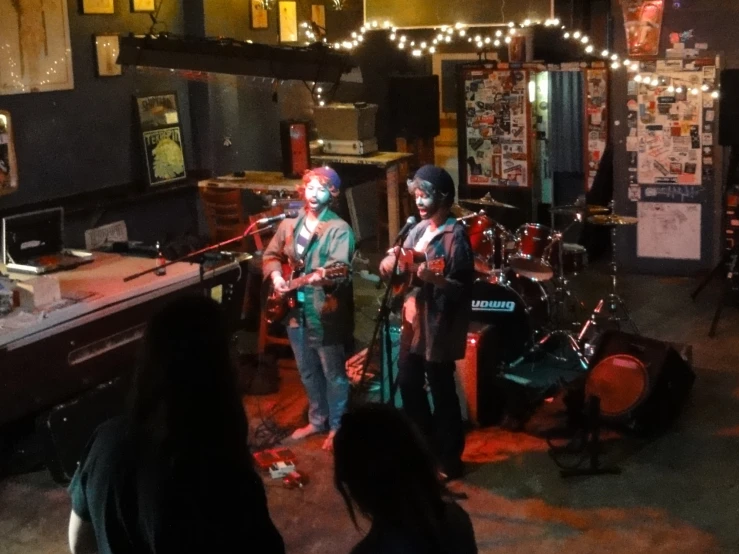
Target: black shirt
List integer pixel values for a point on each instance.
(138, 503)
(456, 536)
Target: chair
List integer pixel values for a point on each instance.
(224, 214)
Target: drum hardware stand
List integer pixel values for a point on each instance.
(562, 292)
(612, 302)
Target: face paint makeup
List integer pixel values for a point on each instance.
(426, 204)
(317, 196)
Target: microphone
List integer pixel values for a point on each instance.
(287, 214)
(409, 224)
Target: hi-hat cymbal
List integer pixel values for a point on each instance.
(573, 209)
(612, 219)
(487, 201)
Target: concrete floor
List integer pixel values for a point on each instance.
(676, 493)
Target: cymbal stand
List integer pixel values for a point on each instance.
(562, 291)
(612, 302)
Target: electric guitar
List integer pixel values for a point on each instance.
(277, 305)
(408, 263)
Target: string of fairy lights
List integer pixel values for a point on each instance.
(487, 40)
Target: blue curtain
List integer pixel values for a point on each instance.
(566, 120)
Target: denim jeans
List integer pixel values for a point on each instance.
(323, 372)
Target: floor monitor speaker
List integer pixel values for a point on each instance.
(641, 382)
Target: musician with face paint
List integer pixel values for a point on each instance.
(435, 316)
(322, 322)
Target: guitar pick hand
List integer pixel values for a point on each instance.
(280, 285)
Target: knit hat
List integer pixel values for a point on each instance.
(327, 176)
(439, 178)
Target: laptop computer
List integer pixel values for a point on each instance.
(33, 243)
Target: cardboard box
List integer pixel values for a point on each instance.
(345, 121)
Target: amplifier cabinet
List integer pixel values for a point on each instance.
(481, 400)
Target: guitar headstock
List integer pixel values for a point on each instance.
(336, 271)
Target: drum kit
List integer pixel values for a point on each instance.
(522, 284)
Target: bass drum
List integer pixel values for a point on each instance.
(516, 306)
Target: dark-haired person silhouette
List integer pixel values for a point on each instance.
(384, 470)
(174, 474)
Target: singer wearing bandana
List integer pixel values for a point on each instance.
(436, 313)
(321, 321)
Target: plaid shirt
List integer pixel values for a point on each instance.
(326, 312)
(438, 330)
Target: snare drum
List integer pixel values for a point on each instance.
(534, 248)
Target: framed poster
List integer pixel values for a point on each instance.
(288, 22)
(643, 25)
(97, 7)
(318, 15)
(8, 165)
(37, 54)
(596, 121)
(165, 159)
(259, 15)
(107, 48)
(146, 6)
(158, 111)
(159, 122)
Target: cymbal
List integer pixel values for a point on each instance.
(487, 200)
(458, 211)
(572, 209)
(613, 219)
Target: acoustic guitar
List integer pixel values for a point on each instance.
(408, 263)
(277, 305)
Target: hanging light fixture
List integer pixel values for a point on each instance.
(338, 5)
(269, 4)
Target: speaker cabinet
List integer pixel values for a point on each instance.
(414, 106)
(728, 121)
(641, 382)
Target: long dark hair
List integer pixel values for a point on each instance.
(184, 401)
(384, 468)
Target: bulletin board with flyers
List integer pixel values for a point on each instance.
(496, 127)
(670, 147)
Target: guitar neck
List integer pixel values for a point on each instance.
(301, 281)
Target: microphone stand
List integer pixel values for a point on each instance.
(197, 253)
(382, 320)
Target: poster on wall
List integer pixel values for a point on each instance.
(497, 127)
(35, 54)
(668, 137)
(165, 161)
(668, 230)
(643, 25)
(596, 120)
